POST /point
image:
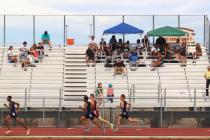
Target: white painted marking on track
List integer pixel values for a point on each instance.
(70, 128)
(138, 129)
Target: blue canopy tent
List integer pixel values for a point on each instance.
(123, 28)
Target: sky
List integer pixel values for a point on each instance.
(96, 7)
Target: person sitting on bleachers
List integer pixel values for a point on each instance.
(23, 51)
(176, 48)
(45, 39)
(154, 50)
(119, 47)
(126, 50)
(35, 54)
(157, 62)
(90, 56)
(119, 68)
(167, 52)
(40, 49)
(10, 57)
(183, 54)
(133, 60)
(161, 42)
(197, 53)
(29, 62)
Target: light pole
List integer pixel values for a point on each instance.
(66, 35)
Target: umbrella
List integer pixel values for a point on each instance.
(123, 28)
(167, 31)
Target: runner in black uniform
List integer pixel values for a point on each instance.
(96, 113)
(13, 115)
(124, 114)
(88, 114)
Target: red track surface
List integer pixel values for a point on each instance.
(153, 132)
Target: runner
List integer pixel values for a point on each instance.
(88, 115)
(96, 113)
(124, 114)
(13, 107)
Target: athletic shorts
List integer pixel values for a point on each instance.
(89, 116)
(125, 115)
(13, 115)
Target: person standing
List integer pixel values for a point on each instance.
(207, 77)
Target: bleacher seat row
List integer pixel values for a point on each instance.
(64, 74)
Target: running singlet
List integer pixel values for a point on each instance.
(124, 113)
(13, 113)
(95, 111)
(88, 113)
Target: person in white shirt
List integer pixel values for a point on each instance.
(28, 62)
(23, 51)
(93, 43)
(10, 57)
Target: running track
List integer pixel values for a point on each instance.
(123, 133)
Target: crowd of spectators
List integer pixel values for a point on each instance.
(29, 56)
(116, 52)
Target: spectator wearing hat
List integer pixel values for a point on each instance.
(110, 92)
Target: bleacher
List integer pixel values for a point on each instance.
(64, 74)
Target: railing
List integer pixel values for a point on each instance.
(32, 26)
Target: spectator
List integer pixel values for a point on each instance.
(126, 50)
(119, 68)
(207, 77)
(113, 44)
(154, 50)
(93, 43)
(110, 92)
(102, 44)
(138, 47)
(133, 60)
(197, 53)
(119, 47)
(146, 43)
(161, 43)
(28, 62)
(10, 57)
(90, 56)
(46, 39)
(35, 55)
(40, 49)
(183, 54)
(99, 93)
(176, 48)
(157, 62)
(108, 58)
(167, 51)
(23, 51)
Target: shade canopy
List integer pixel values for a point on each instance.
(167, 31)
(123, 28)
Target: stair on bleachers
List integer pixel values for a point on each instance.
(75, 79)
